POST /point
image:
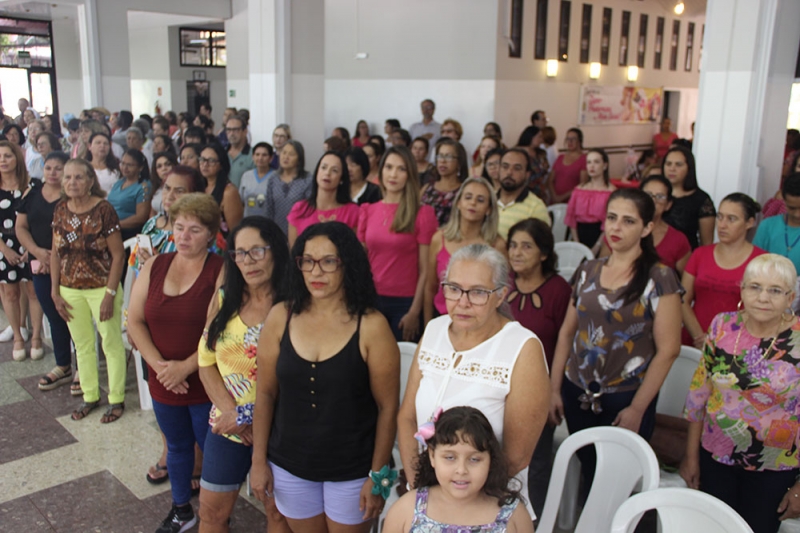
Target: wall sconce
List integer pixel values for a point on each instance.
(552, 68)
(679, 8)
(633, 73)
(594, 70)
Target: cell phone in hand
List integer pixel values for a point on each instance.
(144, 243)
(36, 266)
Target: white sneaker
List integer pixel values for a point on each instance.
(8, 334)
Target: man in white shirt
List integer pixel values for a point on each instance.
(428, 128)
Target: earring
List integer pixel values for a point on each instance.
(791, 314)
(739, 307)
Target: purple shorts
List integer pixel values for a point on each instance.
(300, 499)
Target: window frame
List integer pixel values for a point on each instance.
(209, 47)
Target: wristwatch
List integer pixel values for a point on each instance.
(112, 292)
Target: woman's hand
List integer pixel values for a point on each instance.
(106, 307)
(43, 255)
(172, 375)
(370, 504)
(225, 423)
(409, 325)
(699, 341)
(556, 414)
(790, 504)
(143, 255)
(12, 257)
(262, 482)
(690, 471)
(629, 418)
(62, 307)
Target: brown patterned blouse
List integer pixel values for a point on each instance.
(80, 240)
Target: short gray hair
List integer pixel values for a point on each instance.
(483, 253)
(136, 131)
(772, 265)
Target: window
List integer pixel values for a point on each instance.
(205, 48)
(642, 46)
(673, 52)
(563, 30)
(659, 42)
(606, 39)
(687, 65)
(586, 32)
(25, 43)
(540, 45)
(623, 38)
(515, 46)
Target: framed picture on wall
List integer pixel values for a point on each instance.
(199, 75)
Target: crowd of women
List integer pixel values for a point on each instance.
(269, 327)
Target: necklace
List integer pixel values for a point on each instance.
(786, 236)
(764, 355)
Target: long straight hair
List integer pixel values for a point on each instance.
(342, 190)
(405, 218)
(649, 257)
(20, 169)
(452, 230)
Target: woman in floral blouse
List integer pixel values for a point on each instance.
(744, 402)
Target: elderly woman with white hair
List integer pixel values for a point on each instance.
(744, 401)
(476, 355)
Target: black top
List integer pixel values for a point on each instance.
(40, 216)
(686, 213)
(371, 195)
(325, 416)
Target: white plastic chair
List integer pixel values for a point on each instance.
(679, 511)
(625, 461)
(570, 257)
(145, 401)
(557, 213)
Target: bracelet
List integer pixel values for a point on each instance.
(383, 481)
(244, 414)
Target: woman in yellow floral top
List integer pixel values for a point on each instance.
(254, 280)
(744, 402)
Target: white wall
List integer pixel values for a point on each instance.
(150, 70)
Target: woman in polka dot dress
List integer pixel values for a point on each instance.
(14, 180)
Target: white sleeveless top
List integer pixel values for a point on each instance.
(482, 378)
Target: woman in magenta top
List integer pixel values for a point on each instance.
(329, 200)
(569, 170)
(714, 273)
(473, 220)
(672, 245)
(397, 234)
(664, 139)
(586, 209)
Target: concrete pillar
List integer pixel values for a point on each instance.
(749, 57)
(90, 54)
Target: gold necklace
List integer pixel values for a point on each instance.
(764, 355)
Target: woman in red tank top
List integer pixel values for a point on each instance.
(166, 318)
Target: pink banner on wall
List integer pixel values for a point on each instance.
(620, 105)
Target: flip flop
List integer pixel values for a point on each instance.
(60, 377)
(158, 480)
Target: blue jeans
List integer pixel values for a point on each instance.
(394, 308)
(59, 330)
(182, 425)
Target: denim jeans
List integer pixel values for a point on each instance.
(394, 308)
(59, 330)
(182, 425)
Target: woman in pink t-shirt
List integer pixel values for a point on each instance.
(397, 234)
(714, 273)
(329, 200)
(569, 170)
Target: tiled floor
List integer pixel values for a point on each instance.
(59, 475)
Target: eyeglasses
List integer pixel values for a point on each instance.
(326, 264)
(754, 291)
(233, 130)
(493, 164)
(658, 197)
(256, 254)
(446, 157)
(206, 161)
(475, 296)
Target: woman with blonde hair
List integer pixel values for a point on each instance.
(472, 221)
(397, 234)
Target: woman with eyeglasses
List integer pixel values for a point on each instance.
(397, 234)
(621, 332)
(254, 280)
(714, 271)
(491, 167)
(672, 246)
(215, 166)
(742, 404)
(328, 384)
(477, 355)
(166, 315)
(451, 169)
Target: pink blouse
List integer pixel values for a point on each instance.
(300, 219)
(567, 177)
(586, 206)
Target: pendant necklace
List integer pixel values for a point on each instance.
(786, 236)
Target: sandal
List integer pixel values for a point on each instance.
(55, 378)
(113, 413)
(75, 389)
(84, 410)
(157, 480)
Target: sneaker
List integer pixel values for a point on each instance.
(7, 334)
(178, 520)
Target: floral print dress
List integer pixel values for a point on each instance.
(746, 392)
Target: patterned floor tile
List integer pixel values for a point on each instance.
(29, 429)
(58, 402)
(21, 515)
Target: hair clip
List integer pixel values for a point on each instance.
(427, 430)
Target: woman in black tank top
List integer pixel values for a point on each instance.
(328, 387)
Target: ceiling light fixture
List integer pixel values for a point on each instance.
(679, 8)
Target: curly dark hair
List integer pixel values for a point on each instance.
(359, 288)
(234, 287)
(469, 425)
